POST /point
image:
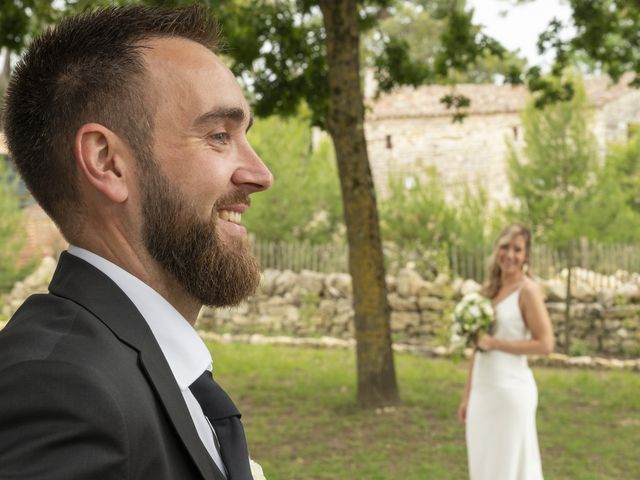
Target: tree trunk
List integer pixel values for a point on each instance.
(377, 384)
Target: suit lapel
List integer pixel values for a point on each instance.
(84, 284)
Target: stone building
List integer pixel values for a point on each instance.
(409, 130)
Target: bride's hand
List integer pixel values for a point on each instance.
(485, 342)
(462, 411)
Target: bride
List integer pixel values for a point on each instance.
(500, 396)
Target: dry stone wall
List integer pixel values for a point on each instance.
(311, 304)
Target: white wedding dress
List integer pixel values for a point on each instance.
(502, 440)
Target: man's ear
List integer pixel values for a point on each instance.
(102, 160)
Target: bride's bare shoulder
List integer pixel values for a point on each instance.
(530, 288)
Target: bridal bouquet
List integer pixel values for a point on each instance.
(472, 316)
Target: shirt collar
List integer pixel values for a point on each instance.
(184, 350)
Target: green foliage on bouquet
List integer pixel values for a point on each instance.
(473, 315)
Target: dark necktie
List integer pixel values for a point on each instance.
(225, 419)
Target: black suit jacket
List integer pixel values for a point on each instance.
(86, 393)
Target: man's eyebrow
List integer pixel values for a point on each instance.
(235, 114)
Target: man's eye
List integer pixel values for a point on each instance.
(222, 137)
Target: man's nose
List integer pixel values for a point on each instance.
(252, 173)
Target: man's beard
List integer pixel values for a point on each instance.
(189, 249)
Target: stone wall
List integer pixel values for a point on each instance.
(310, 304)
(313, 304)
(462, 153)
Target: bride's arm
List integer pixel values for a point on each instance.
(538, 322)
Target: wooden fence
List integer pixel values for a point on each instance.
(298, 256)
(600, 265)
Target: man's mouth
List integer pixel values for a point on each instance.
(229, 216)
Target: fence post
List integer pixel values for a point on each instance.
(567, 312)
(453, 255)
(584, 253)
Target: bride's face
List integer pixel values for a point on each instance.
(512, 255)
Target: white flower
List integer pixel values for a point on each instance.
(471, 316)
(471, 297)
(256, 471)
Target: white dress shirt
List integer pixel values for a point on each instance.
(186, 353)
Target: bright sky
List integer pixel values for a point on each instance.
(518, 27)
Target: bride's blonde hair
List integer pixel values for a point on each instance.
(494, 279)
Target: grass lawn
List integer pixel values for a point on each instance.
(302, 423)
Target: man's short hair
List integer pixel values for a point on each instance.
(89, 68)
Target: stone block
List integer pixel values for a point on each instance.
(312, 282)
(553, 290)
(402, 304)
(338, 285)
(268, 281)
(606, 296)
(424, 329)
(622, 311)
(442, 280)
(400, 321)
(434, 304)
(344, 306)
(408, 282)
(583, 292)
(424, 289)
(622, 333)
(428, 317)
(628, 291)
(327, 307)
(285, 311)
(555, 307)
(342, 320)
(441, 290)
(285, 282)
(392, 284)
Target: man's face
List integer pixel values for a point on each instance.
(202, 173)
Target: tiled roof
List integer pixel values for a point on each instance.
(424, 101)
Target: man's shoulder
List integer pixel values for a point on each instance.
(50, 327)
(41, 314)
